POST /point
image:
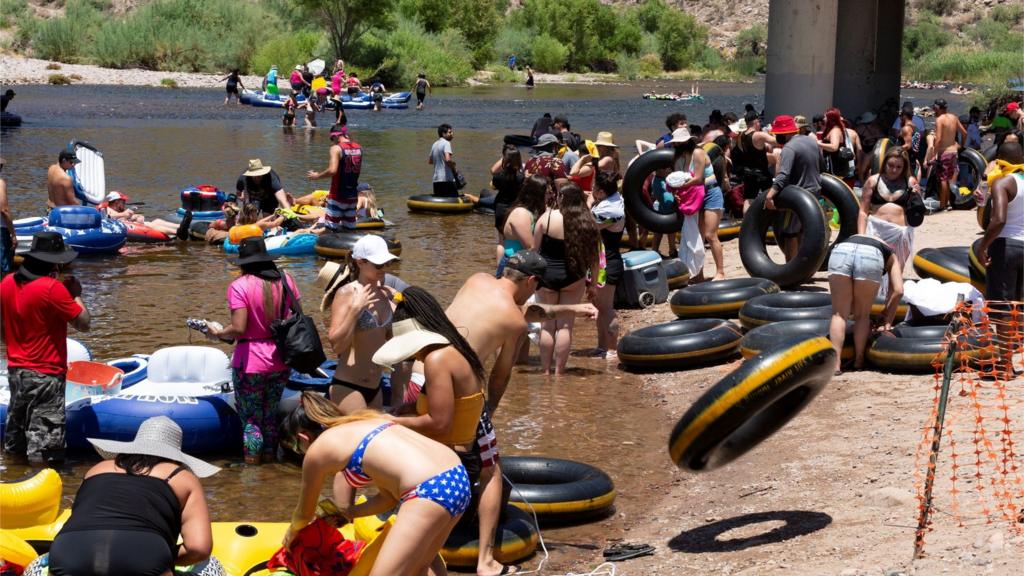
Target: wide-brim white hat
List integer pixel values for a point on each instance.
(409, 337)
(157, 436)
(680, 136)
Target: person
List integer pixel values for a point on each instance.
(352, 85)
(444, 166)
(673, 122)
(307, 81)
(234, 81)
(945, 150)
(220, 229)
(692, 173)
(338, 79)
(568, 240)
(60, 188)
(1002, 250)
(884, 201)
(8, 95)
(517, 229)
(511, 61)
(544, 163)
(270, 81)
(359, 315)
(312, 105)
(366, 203)
(406, 468)
(869, 132)
(377, 90)
(973, 127)
(36, 309)
(296, 81)
(656, 195)
(816, 128)
(750, 158)
(609, 213)
(8, 239)
(584, 170)
(800, 163)
(261, 185)
(839, 150)
(908, 109)
(116, 208)
(571, 140)
(1012, 112)
(716, 186)
(529, 77)
(855, 270)
(913, 141)
(507, 178)
(258, 373)
(541, 126)
(291, 105)
(421, 89)
(345, 162)
(132, 507)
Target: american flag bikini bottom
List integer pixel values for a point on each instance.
(450, 489)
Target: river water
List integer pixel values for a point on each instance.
(158, 141)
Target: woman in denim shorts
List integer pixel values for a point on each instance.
(855, 271)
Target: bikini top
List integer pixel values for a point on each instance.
(367, 320)
(890, 192)
(465, 417)
(353, 471)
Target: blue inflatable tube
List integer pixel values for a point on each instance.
(135, 368)
(29, 226)
(300, 381)
(291, 244)
(85, 230)
(201, 215)
(209, 423)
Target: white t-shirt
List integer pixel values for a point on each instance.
(442, 172)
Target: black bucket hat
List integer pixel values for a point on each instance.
(253, 250)
(49, 247)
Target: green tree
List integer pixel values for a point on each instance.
(681, 40)
(348, 20)
(649, 14)
(478, 21)
(629, 35)
(549, 54)
(433, 15)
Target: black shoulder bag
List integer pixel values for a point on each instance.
(296, 335)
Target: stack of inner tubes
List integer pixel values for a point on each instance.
(751, 403)
(679, 344)
(719, 299)
(785, 306)
(908, 348)
(814, 237)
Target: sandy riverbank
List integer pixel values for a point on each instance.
(831, 493)
(19, 70)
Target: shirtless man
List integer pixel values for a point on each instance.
(58, 182)
(493, 315)
(945, 150)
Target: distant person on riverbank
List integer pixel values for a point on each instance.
(529, 77)
(800, 163)
(945, 150)
(421, 88)
(352, 85)
(60, 188)
(8, 239)
(36, 308)
(511, 61)
(270, 81)
(261, 185)
(295, 80)
(344, 164)
(377, 91)
(234, 81)
(444, 166)
(6, 99)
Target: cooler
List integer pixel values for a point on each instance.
(644, 282)
(87, 378)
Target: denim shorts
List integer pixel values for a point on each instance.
(857, 261)
(714, 199)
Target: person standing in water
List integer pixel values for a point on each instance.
(345, 162)
(234, 81)
(421, 89)
(444, 166)
(529, 77)
(60, 189)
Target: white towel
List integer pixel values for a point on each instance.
(691, 251)
(900, 238)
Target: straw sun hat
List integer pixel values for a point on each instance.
(157, 436)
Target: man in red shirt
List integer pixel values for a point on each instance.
(37, 309)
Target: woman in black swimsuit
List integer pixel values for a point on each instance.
(884, 201)
(568, 240)
(234, 81)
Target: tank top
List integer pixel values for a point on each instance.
(346, 178)
(507, 186)
(465, 417)
(552, 248)
(890, 187)
(112, 501)
(1014, 227)
(750, 157)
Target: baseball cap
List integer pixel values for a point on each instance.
(69, 156)
(1012, 107)
(372, 249)
(940, 103)
(363, 186)
(115, 195)
(528, 262)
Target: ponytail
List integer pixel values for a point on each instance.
(315, 414)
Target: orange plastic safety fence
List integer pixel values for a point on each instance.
(978, 475)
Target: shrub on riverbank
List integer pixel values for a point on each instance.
(966, 65)
(285, 52)
(991, 55)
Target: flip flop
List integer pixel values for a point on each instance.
(625, 551)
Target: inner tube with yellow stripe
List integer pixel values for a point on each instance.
(785, 333)
(979, 272)
(729, 229)
(679, 344)
(719, 299)
(878, 154)
(915, 348)
(785, 306)
(558, 490)
(947, 264)
(339, 244)
(975, 164)
(515, 539)
(636, 206)
(750, 404)
(847, 204)
(814, 237)
(32, 501)
(676, 272)
(431, 204)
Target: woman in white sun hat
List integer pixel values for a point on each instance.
(132, 507)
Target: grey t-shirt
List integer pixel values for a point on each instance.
(442, 172)
(800, 164)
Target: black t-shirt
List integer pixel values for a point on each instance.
(261, 190)
(507, 187)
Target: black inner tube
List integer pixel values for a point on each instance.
(813, 238)
(632, 192)
(553, 480)
(712, 295)
(680, 343)
(847, 204)
(786, 306)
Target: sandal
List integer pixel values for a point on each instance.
(625, 551)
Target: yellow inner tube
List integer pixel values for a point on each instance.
(15, 550)
(31, 502)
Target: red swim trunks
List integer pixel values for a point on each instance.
(948, 167)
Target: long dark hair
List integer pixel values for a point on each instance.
(582, 240)
(511, 161)
(419, 304)
(138, 464)
(533, 194)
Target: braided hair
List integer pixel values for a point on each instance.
(420, 305)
